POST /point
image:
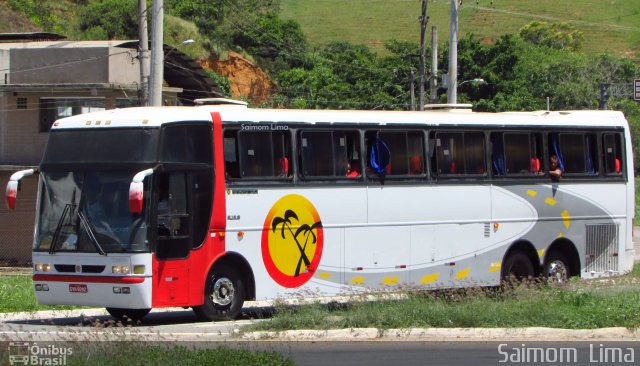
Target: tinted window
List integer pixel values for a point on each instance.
(406, 152)
(330, 154)
(459, 153)
(257, 154)
(576, 152)
(612, 144)
(131, 145)
(187, 144)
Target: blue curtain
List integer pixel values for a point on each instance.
(498, 156)
(556, 149)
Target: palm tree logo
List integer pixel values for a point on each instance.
(304, 230)
(292, 241)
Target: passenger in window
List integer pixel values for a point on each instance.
(554, 169)
(283, 167)
(352, 170)
(415, 165)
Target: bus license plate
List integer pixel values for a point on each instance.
(77, 288)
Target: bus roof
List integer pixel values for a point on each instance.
(156, 116)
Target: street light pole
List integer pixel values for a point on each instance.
(452, 95)
(143, 49)
(157, 54)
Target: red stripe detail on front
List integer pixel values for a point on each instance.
(88, 279)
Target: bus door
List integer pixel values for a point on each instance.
(183, 203)
(173, 238)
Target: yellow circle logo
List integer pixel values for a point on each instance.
(292, 241)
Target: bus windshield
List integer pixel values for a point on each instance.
(84, 211)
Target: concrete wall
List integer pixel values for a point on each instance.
(59, 65)
(124, 67)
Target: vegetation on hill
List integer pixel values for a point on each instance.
(608, 26)
(523, 63)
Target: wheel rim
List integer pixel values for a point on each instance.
(557, 272)
(223, 291)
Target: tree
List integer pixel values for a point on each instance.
(556, 35)
(110, 19)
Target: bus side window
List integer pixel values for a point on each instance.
(261, 154)
(330, 154)
(449, 152)
(576, 152)
(521, 153)
(474, 153)
(231, 164)
(612, 144)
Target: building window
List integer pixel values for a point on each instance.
(21, 103)
(52, 109)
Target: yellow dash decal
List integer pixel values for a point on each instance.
(390, 280)
(357, 280)
(532, 193)
(463, 274)
(540, 253)
(550, 201)
(495, 266)
(567, 218)
(324, 275)
(430, 278)
(560, 235)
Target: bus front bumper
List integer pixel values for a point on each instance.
(129, 292)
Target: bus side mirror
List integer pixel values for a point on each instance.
(11, 194)
(136, 191)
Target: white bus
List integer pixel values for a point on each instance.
(212, 205)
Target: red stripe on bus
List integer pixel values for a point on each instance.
(88, 279)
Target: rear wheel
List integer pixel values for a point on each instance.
(556, 268)
(224, 295)
(517, 267)
(128, 315)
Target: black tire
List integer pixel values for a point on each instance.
(556, 268)
(517, 267)
(128, 315)
(224, 295)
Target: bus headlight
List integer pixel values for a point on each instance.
(120, 269)
(42, 267)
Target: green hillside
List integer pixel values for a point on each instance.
(608, 25)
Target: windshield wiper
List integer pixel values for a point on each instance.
(56, 234)
(90, 233)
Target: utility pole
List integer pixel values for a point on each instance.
(433, 78)
(423, 29)
(143, 52)
(157, 53)
(452, 96)
(412, 90)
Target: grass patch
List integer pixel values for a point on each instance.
(17, 294)
(606, 26)
(613, 302)
(122, 353)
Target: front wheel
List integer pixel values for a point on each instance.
(128, 315)
(224, 295)
(556, 268)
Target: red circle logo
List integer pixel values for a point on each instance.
(292, 241)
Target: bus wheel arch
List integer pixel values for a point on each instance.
(520, 261)
(561, 261)
(229, 283)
